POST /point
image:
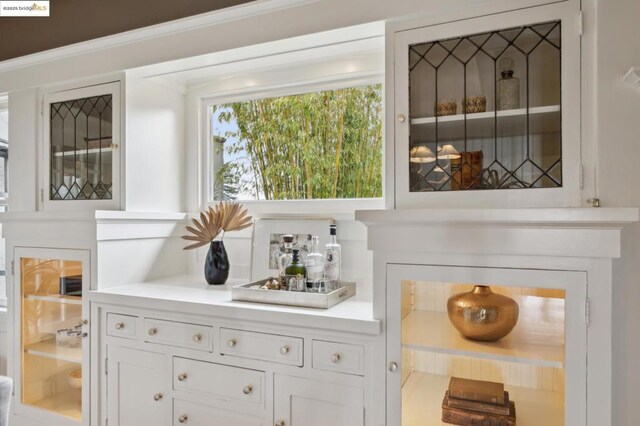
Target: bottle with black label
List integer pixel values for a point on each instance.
(295, 274)
(332, 259)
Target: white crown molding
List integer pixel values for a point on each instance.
(190, 23)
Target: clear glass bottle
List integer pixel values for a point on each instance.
(508, 87)
(295, 273)
(314, 263)
(285, 259)
(332, 259)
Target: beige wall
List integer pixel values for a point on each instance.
(73, 21)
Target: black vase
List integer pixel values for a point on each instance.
(216, 266)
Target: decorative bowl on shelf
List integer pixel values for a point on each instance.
(482, 315)
(445, 107)
(474, 104)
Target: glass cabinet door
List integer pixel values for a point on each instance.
(53, 343)
(486, 346)
(82, 130)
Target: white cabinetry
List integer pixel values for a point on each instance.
(138, 391)
(450, 154)
(305, 402)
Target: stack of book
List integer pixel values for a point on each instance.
(475, 402)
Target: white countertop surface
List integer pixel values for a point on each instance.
(191, 294)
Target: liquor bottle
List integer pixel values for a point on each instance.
(314, 263)
(508, 87)
(285, 259)
(332, 259)
(295, 273)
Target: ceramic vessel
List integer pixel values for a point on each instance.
(216, 265)
(482, 315)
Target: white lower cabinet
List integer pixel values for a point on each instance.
(193, 414)
(305, 402)
(137, 388)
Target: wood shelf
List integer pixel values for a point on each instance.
(49, 349)
(537, 339)
(65, 403)
(422, 402)
(542, 120)
(55, 298)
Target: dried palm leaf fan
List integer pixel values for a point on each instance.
(226, 216)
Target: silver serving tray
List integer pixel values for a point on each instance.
(245, 293)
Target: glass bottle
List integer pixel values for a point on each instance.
(295, 273)
(508, 87)
(332, 259)
(285, 259)
(314, 263)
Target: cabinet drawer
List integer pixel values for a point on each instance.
(229, 383)
(262, 346)
(122, 326)
(179, 334)
(338, 357)
(189, 413)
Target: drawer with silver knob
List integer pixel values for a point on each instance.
(339, 357)
(262, 346)
(122, 325)
(183, 335)
(189, 413)
(219, 380)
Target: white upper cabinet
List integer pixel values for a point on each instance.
(487, 110)
(81, 150)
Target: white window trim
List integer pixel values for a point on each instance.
(261, 208)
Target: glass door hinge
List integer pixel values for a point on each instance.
(587, 312)
(580, 23)
(13, 267)
(42, 195)
(106, 366)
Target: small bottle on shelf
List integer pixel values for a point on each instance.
(295, 273)
(332, 259)
(508, 87)
(285, 259)
(314, 263)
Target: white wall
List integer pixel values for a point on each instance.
(23, 118)
(155, 147)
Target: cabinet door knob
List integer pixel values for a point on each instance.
(247, 389)
(114, 146)
(119, 325)
(153, 331)
(280, 423)
(85, 321)
(197, 337)
(182, 377)
(402, 118)
(393, 366)
(232, 343)
(157, 397)
(85, 334)
(284, 350)
(335, 358)
(183, 418)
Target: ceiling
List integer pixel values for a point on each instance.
(73, 21)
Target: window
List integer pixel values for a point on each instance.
(318, 145)
(4, 159)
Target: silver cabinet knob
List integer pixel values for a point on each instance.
(153, 331)
(183, 418)
(284, 350)
(280, 423)
(85, 321)
(157, 397)
(232, 343)
(85, 334)
(119, 325)
(402, 118)
(335, 358)
(247, 389)
(393, 366)
(182, 377)
(197, 337)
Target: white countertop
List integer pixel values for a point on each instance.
(191, 294)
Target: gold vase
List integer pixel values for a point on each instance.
(482, 315)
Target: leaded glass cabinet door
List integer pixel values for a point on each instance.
(487, 111)
(82, 149)
(541, 362)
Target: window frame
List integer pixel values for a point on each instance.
(305, 206)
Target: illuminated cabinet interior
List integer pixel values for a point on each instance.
(52, 332)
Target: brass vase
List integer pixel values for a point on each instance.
(482, 315)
